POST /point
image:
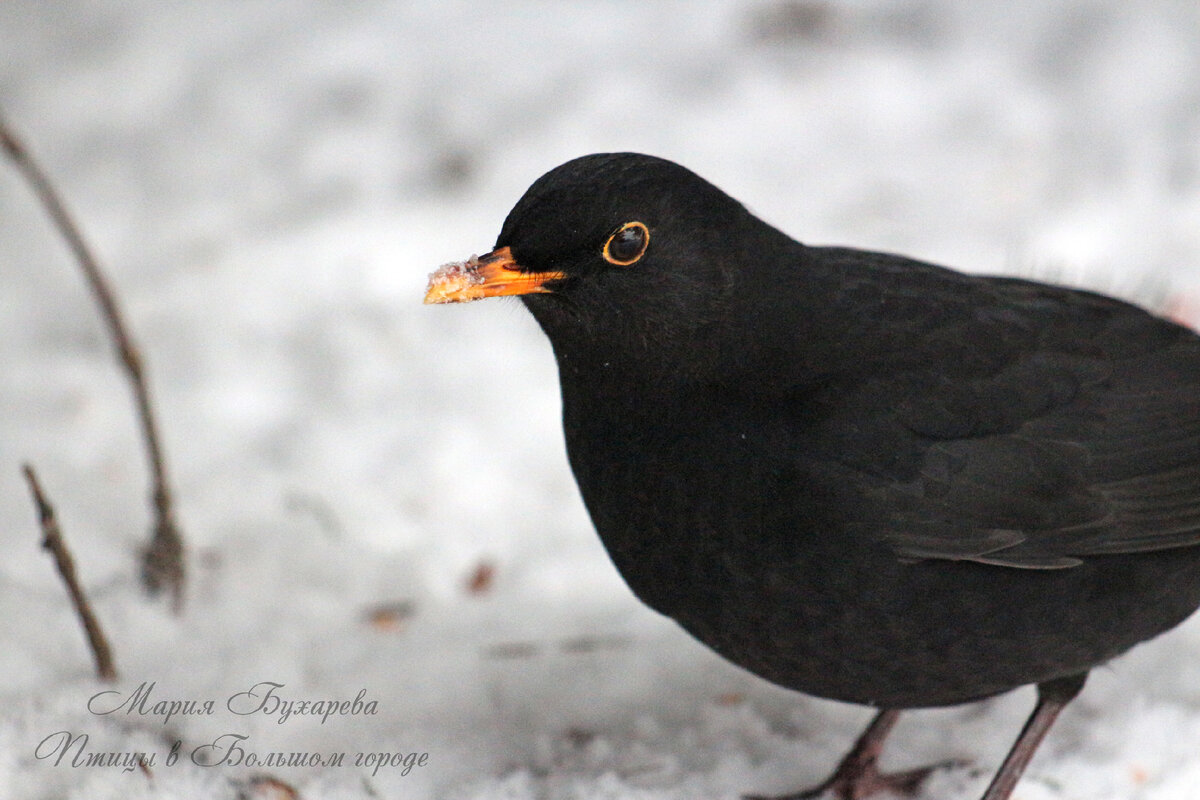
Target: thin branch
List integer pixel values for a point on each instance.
(163, 557)
(52, 540)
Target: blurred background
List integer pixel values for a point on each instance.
(375, 492)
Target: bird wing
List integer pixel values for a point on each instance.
(1075, 446)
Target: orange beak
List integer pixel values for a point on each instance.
(493, 275)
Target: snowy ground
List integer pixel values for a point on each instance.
(270, 182)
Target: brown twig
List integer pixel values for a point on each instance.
(52, 540)
(163, 558)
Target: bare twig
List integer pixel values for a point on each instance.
(163, 557)
(52, 540)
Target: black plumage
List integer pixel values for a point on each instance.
(857, 475)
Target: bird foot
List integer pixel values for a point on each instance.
(856, 781)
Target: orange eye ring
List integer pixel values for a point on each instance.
(627, 244)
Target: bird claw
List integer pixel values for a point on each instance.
(865, 781)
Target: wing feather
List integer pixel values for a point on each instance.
(1058, 455)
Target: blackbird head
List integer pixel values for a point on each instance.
(622, 258)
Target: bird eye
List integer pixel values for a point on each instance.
(627, 244)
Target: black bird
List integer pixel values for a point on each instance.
(857, 475)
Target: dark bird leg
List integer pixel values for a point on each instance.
(1053, 696)
(858, 775)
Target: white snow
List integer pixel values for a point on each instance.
(269, 184)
